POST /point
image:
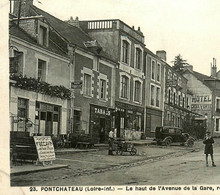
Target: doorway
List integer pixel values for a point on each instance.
(102, 130)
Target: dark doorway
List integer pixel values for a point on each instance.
(102, 130)
(48, 130)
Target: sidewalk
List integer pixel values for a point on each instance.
(30, 168)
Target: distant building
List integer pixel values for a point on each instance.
(206, 97)
(154, 91)
(178, 99)
(125, 45)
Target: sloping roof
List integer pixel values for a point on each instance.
(21, 34)
(69, 32)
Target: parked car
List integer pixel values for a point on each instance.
(167, 135)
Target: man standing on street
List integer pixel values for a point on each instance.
(110, 142)
(209, 148)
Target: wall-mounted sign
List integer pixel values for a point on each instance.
(102, 111)
(76, 85)
(202, 99)
(45, 148)
(201, 107)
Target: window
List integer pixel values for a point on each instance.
(16, 63)
(174, 98)
(41, 70)
(125, 52)
(187, 103)
(152, 95)
(102, 89)
(137, 123)
(138, 58)
(124, 85)
(218, 105)
(169, 96)
(158, 97)
(22, 107)
(137, 91)
(179, 100)
(183, 104)
(22, 113)
(158, 72)
(153, 70)
(76, 120)
(43, 36)
(217, 124)
(87, 84)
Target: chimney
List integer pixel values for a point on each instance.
(74, 22)
(24, 8)
(162, 55)
(213, 68)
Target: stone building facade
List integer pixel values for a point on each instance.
(126, 46)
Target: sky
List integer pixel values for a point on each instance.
(190, 28)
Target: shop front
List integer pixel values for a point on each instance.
(37, 114)
(100, 123)
(153, 120)
(129, 121)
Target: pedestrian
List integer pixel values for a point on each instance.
(110, 142)
(208, 141)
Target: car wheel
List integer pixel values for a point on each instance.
(190, 143)
(133, 151)
(167, 141)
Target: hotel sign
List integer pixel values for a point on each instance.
(201, 99)
(201, 103)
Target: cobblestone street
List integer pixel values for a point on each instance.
(98, 162)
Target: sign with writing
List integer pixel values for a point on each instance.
(76, 85)
(201, 107)
(102, 111)
(201, 99)
(45, 148)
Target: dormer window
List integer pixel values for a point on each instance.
(43, 36)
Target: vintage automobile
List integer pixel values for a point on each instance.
(167, 135)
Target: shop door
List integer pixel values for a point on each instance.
(102, 130)
(48, 128)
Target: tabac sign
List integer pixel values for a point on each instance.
(201, 103)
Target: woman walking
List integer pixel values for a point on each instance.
(208, 141)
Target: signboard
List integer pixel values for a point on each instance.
(201, 99)
(45, 148)
(76, 85)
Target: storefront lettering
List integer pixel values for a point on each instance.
(201, 99)
(196, 107)
(102, 111)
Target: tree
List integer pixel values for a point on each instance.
(178, 63)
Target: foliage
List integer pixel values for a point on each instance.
(178, 63)
(32, 84)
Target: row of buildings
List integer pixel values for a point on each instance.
(93, 76)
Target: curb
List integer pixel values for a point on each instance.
(75, 151)
(38, 170)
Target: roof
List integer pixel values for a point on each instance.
(21, 34)
(69, 32)
(202, 77)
